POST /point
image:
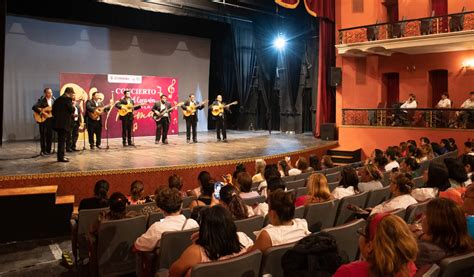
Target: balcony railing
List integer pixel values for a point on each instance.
(408, 28)
(423, 118)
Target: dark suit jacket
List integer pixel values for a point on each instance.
(123, 101)
(90, 108)
(157, 105)
(62, 113)
(215, 103)
(41, 103)
(186, 105)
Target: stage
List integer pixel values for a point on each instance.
(152, 163)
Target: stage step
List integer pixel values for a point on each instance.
(343, 157)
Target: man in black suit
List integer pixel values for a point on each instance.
(63, 111)
(94, 126)
(127, 120)
(45, 128)
(162, 119)
(191, 121)
(220, 119)
(73, 134)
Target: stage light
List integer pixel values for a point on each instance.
(280, 42)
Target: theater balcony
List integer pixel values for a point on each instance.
(452, 32)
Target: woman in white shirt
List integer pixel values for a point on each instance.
(348, 185)
(259, 169)
(284, 228)
(400, 187)
(370, 177)
(436, 179)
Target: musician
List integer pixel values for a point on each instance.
(73, 134)
(191, 121)
(94, 127)
(45, 128)
(127, 120)
(220, 119)
(63, 111)
(163, 123)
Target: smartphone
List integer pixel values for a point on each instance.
(217, 189)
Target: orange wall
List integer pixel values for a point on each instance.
(370, 11)
(455, 6)
(414, 9)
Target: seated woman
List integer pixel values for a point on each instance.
(271, 171)
(436, 181)
(326, 162)
(274, 183)
(318, 191)
(370, 177)
(409, 165)
(217, 240)
(468, 208)
(283, 168)
(468, 162)
(136, 193)
(444, 233)
(457, 178)
(348, 185)
(100, 199)
(400, 187)
(284, 228)
(387, 248)
(259, 169)
(175, 181)
(170, 202)
(244, 182)
(302, 165)
(206, 186)
(427, 152)
(230, 199)
(314, 162)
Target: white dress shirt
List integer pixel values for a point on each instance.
(409, 105)
(444, 103)
(286, 233)
(368, 186)
(399, 202)
(391, 165)
(50, 102)
(468, 104)
(341, 192)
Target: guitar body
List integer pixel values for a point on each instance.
(217, 110)
(189, 111)
(97, 113)
(125, 109)
(40, 118)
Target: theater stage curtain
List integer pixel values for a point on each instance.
(289, 4)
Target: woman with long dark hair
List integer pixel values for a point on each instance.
(230, 199)
(348, 185)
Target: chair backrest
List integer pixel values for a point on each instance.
(344, 214)
(377, 196)
(250, 225)
(187, 201)
(243, 265)
(419, 182)
(172, 245)
(332, 186)
(400, 212)
(115, 243)
(386, 179)
(332, 170)
(186, 213)
(154, 217)
(271, 260)
(303, 176)
(288, 178)
(299, 212)
(414, 210)
(433, 271)
(301, 191)
(333, 177)
(138, 207)
(347, 237)
(85, 219)
(458, 266)
(254, 201)
(322, 212)
(295, 184)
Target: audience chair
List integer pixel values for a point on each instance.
(243, 265)
(325, 213)
(271, 260)
(115, 243)
(347, 237)
(186, 213)
(344, 214)
(332, 170)
(138, 207)
(400, 212)
(85, 219)
(187, 201)
(459, 266)
(414, 210)
(301, 191)
(299, 212)
(386, 179)
(288, 178)
(303, 176)
(154, 217)
(419, 182)
(333, 177)
(172, 245)
(377, 196)
(295, 184)
(332, 186)
(250, 225)
(254, 201)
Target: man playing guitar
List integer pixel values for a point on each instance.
(190, 108)
(43, 108)
(162, 117)
(93, 121)
(220, 117)
(126, 103)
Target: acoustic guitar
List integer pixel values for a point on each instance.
(191, 109)
(99, 111)
(216, 110)
(157, 116)
(44, 114)
(129, 108)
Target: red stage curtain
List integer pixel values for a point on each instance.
(289, 4)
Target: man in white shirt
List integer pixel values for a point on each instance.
(392, 161)
(43, 108)
(400, 116)
(445, 102)
(170, 202)
(466, 116)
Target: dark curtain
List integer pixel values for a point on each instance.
(439, 84)
(292, 59)
(392, 84)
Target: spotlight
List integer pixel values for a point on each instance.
(280, 42)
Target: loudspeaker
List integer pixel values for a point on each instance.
(335, 76)
(328, 131)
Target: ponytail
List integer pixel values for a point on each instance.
(237, 207)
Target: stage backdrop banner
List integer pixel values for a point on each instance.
(143, 89)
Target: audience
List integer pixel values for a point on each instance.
(100, 199)
(274, 183)
(217, 240)
(326, 162)
(424, 141)
(348, 185)
(426, 152)
(443, 233)
(176, 182)
(436, 181)
(245, 185)
(302, 165)
(370, 177)
(468, 162)
(271, 170)
(136, 193)
(318, 191)
(392, 160)
(400, 187)
(206, 185)
(380, 163)
(229, 198)
(387, 248)
(468, 208)
(170, 202)
(469, 148)
(457, 177)
(409, 165)
(283, 168)
(314, 162)
(284, 228)
(259, 169)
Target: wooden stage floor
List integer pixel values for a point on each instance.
(19, 158)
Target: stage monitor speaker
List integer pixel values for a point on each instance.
(328, 131)
(335, 76)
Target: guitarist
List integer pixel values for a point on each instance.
(46, 128)
(127, 120)
(94, 127)
(73, 134)
(162, 124)
(220, 119)
(191, 121)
